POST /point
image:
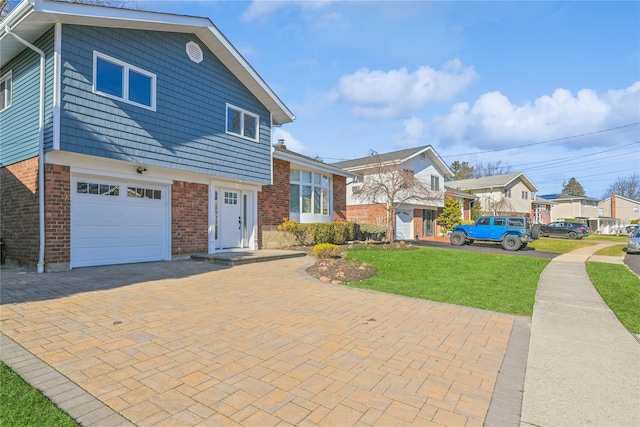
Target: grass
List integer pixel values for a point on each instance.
(620, 289)
(558, 246)
(500, 283)
(615, 250)
(23, 406)
(608, 238)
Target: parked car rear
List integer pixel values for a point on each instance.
(571, 230)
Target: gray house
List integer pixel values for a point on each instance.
(150, 134)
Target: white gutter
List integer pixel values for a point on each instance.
(40, 144)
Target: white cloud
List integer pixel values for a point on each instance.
(379, 94)
(493, 121)
(414, 133)
(292, 143)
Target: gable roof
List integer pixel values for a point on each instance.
(281, 152)
(30, 19)
(396, 157)
(494, 181)
(623, 198)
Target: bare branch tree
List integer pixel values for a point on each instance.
(490, 169)
(628, 187)
(390, 186)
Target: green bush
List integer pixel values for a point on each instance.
(337, 233)
(325, 251)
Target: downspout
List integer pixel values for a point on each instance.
(40, 145)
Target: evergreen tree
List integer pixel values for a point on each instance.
(450, 216)
(573, 188)
(461, 170)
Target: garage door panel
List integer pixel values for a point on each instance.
(116, 229)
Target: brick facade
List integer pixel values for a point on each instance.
(367, 214)
(19, 213)
(57, 223)
(339, 198)
(273, 200)
(189, 218)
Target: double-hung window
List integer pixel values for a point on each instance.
(242, 123)
(435, 183)
(5, 91)
(119, 80)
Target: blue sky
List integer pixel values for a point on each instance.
(551, 89)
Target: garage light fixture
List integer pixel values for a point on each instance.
(140, 170)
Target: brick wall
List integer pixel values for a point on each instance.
(273, 200)
(367, 214)
(19, 226)
(57, 223)
(339, 198)
(189, 217)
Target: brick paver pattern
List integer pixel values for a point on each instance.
(186, 343)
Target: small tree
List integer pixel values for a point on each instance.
(476, 210)
(390, 185)
(450, 215)
(573, 188)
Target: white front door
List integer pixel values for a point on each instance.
(230, 218)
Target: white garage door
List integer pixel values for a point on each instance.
(116, 222)
(404, 221)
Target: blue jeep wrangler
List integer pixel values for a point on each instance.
(513, 233)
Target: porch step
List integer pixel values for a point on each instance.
(247, 257)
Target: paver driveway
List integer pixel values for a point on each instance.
(186, 343)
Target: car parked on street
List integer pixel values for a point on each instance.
(571, 230)
(631, 229)
(513, 233)
(633, 246)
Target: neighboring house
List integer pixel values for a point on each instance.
(620, 207)
(303, 189)
(466, 200)
(150, 134)
(413, 218)
(541, 210)
(566, 206)
(508, 194)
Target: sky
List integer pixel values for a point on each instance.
(551, 89)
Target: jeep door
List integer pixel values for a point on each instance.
(498, 228)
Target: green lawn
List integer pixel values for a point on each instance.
(620, 289)
(615, 250)
(23, 406)
(557, 245)
(501, 283)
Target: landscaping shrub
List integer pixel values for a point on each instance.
(370, 232)
(325, 251)
(337, 233)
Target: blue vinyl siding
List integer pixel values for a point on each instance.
(19, 123)
(187, 130)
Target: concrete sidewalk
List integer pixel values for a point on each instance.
(583, 366)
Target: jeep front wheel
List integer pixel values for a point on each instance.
(511, 243)
(457, 238)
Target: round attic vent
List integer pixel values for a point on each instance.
(194, 52)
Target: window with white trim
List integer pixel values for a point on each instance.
(242, 123)
(525, 195)
(435, 183)
(97, 189)
(6, 95)
(309, 192)
(507, 193)
(122, 81)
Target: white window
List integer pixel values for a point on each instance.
(242, 123)
(309, 192)
(525, 195)
(119, 80)
(435, 183)
(507, 193)
(5, 91)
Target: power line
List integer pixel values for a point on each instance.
(547, 141)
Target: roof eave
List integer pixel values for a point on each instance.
(312, 164)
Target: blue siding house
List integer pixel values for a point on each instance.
(149, 132)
